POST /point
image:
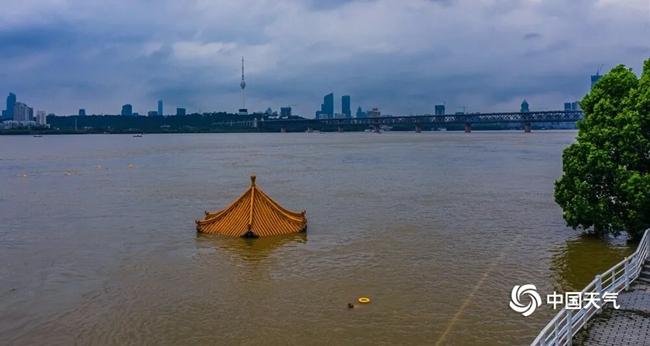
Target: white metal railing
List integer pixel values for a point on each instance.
(561, 329)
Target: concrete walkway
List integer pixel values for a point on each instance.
(629, 325)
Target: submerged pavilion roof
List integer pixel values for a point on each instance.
(253, 214)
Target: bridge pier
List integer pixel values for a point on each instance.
(527, 127)
(309, 130)
(339, 129)
(418, 129)
(283, 130)
(468, 127)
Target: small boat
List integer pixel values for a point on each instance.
(138, 135)
(37, 136)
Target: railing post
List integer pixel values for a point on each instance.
(599, 289)
(626, 272)
(556, 328)
(569, 327)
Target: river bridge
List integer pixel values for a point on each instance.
(418, 122)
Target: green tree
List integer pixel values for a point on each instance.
(605, 187)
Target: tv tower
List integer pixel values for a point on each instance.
(243, 86)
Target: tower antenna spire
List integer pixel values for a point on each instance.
(243, 86)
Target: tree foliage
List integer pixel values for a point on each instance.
(605, 187)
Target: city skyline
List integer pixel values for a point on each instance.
(190, 54)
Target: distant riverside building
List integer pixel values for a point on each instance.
(180, 112)
(285, 111)
(439, 110)
(160, 108)
(11, 102)
(82, 112)
(41, 119)
(127, 110)
(374, 113)
(524, 107)
(360, 113)
(22, 112)
(345, 106)
(326, 108)
(152, 113)
(595, 78)
(571, 106)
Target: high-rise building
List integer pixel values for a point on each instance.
(22, 112)
(595, 78)
(127, 110)
(360, 113)
(326, 108)
(180, 112)
(285, 111)
(439, 110)
(524, 107)
(82, 112)
(571, 106)
(11, 102)
(374, 113)
(345, 106)
(41, 118)
(160, 108)
(328, 104)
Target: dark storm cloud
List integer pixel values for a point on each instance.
(400, 56)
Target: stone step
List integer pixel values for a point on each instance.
(644, 280)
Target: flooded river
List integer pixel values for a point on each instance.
(98, 243)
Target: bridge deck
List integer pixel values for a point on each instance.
(425, 121)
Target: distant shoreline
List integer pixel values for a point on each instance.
(24, 132)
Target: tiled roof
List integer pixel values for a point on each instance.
(253, 214)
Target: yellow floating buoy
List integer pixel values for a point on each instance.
(363, 300)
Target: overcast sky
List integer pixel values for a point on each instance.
(401, 56)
